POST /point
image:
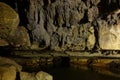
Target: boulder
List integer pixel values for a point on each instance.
(38, 76)
(27, 76)
(7, 72)
(9, 20)
(43, 76)
(8, 69)
(20, 38)
(6, 61)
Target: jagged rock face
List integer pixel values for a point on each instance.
(59, 23)
(68, 24)
(109, 32)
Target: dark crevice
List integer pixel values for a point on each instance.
(6, 50)
(42, 43)
(22, 8)
(84, 19)
(38, 17)
(45, 2)
(11, 3)
(52, 1)
(18, 76)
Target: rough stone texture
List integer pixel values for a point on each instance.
(69, 24)
(20, 38)
(9, 62)
(56, 23)
(7, 72)
(109, 32)
(8, 69)
(91, 39)
(38, 76)
(9, 20)
(27, 76)
(3, 42)
(92, 13)
(43, 76)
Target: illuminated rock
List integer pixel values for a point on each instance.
(9, 20)
(7, 73)
(109, 33)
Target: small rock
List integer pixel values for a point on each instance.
(27, 76)
(38, 76)
(43, 76)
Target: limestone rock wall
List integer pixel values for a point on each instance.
(70, 24)
(62, 24)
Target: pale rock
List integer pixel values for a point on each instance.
(35, 76)
(7, 72)
(43, 76)
(27, 76)
(9, 20)
(7, 61)
(109, 37)
(91, 39)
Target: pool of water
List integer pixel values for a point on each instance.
(67, 73)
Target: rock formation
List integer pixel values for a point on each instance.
(38, 76)
(69, 24)
(109, 32)
(56, 24)
(10, 70)
(9, 21)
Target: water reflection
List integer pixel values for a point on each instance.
(82, 73)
